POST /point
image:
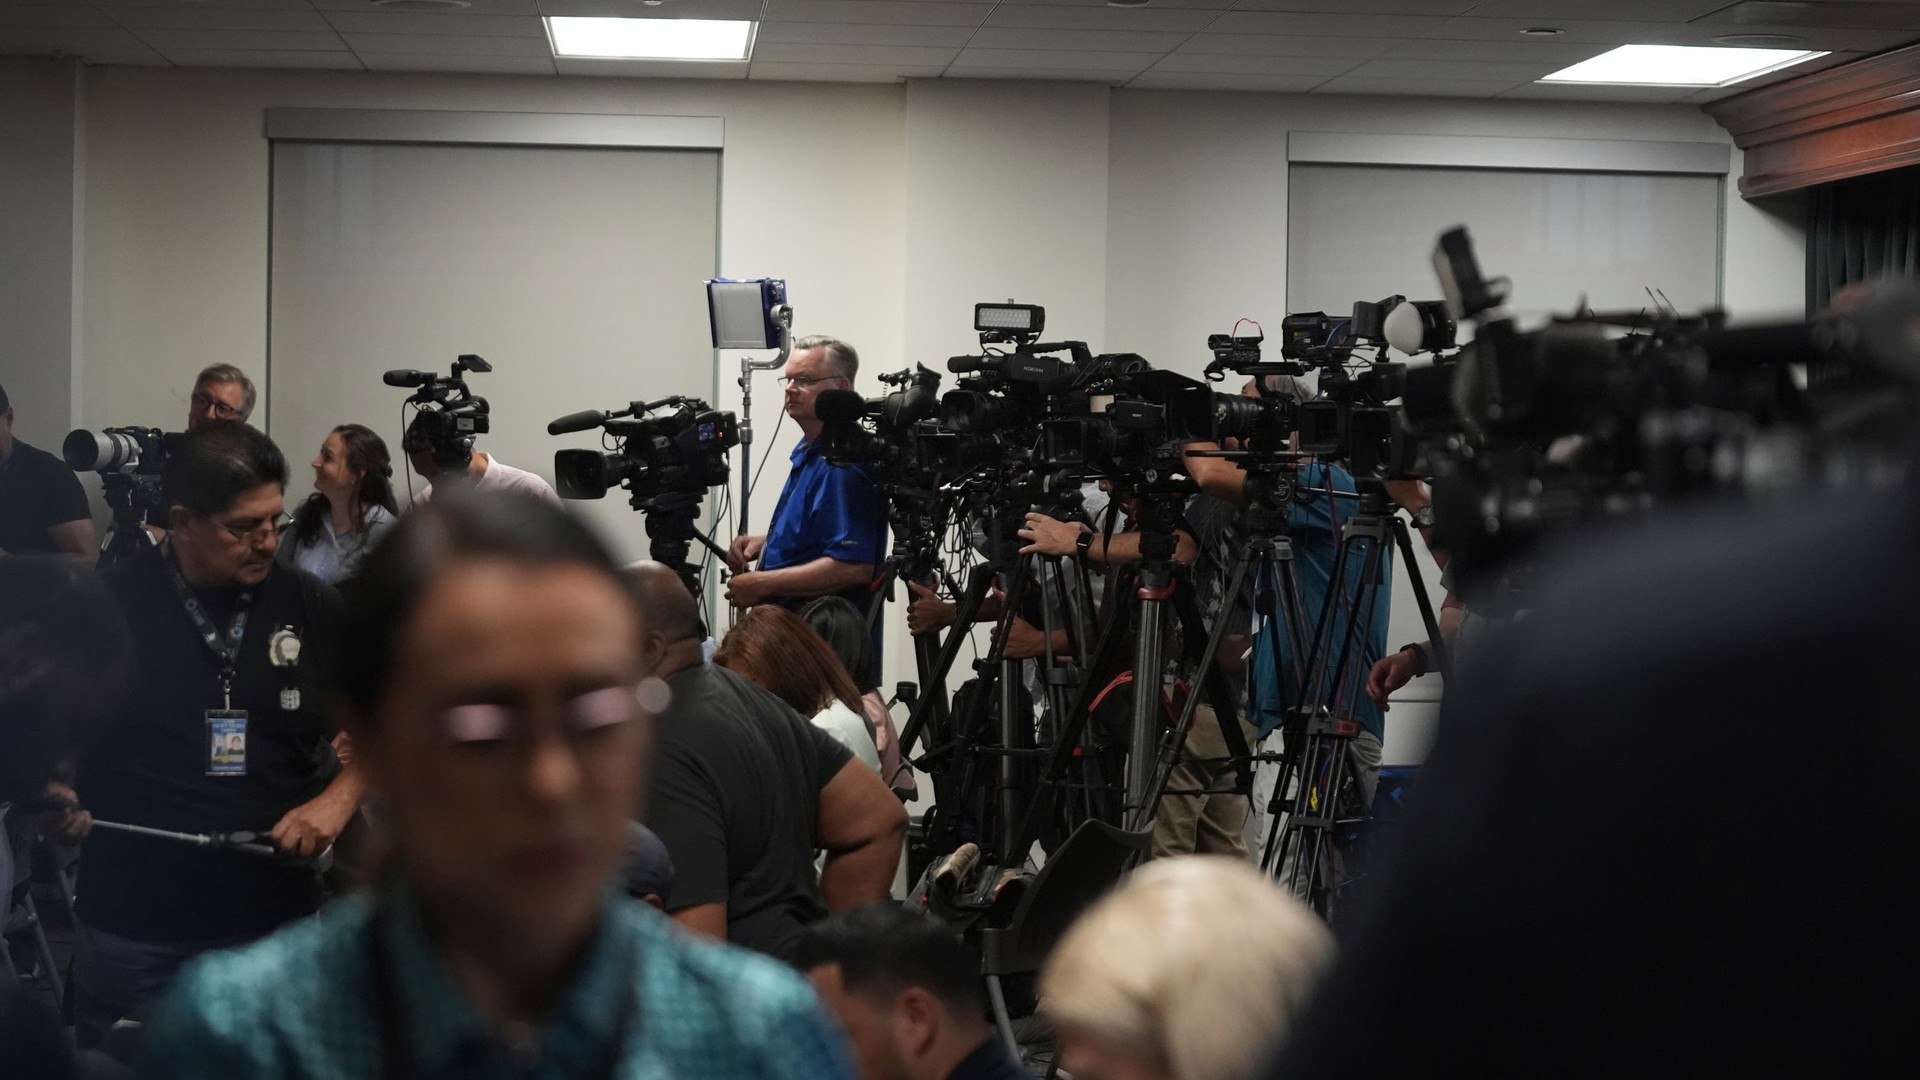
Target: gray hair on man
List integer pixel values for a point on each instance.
(845, 362)
(227, 373)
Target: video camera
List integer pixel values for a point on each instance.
(447, 414)
(681, 450)
(880, 432)
(130, 461)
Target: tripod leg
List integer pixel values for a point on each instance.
(1442, 652)
(969, 607)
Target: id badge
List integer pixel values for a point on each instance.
(226, 742)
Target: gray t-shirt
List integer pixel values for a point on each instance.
(500, 476)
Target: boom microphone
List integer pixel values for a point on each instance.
(580, 421)
(406, 377)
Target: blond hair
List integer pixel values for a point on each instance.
(1200, 961)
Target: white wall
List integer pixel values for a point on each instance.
(1143, 220)
(39, 124)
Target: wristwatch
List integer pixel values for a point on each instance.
(1085, 543)
(1423, 517)
(1421, 661)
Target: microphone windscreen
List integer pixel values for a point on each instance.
(960, 365)
(838, 406)
(580, 421)
(1404, 329)
(405, 377)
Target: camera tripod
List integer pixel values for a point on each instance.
(128, 497)
(1319, 763)
(671, 518)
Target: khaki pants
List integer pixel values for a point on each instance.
(1210, 824)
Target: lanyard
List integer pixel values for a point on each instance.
(225, 648)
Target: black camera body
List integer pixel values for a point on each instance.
(448, 414)
(881, 432)
(682, 450)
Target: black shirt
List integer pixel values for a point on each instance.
(989, 1061)
(37, 491)
(737, 776)
(147, 762)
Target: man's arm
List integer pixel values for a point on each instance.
(1218, 477)
(708, 920)
(861, 826)
(76, 538)
(822, 577)
(743, 550)
(1050, 536)
(310, 828)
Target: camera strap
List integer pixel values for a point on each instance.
(225, 648)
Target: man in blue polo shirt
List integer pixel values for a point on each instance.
(829, 529)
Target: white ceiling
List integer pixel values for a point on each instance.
(1452, 48)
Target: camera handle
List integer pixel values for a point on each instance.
(782, 315)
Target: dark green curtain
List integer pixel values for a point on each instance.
(1862, 228)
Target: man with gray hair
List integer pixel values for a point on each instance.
(221, 392)
(829, 529)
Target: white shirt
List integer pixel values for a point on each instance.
(497, 475)
(850, 728)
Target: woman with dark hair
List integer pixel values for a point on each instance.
(350, 509)
(776, 649)
(493, 682)
(844, 629)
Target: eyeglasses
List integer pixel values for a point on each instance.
(804, 381)
(273, 526)
(221, 410)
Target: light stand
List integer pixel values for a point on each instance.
(782, 315)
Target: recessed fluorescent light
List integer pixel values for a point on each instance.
(650, 39)
(1680, 65)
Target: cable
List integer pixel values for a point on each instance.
(408, 467)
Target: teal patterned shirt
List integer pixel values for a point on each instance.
(304, 1003)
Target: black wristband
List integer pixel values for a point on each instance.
(1085, 543)
(1421, 660)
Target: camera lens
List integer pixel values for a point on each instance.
(104, 451)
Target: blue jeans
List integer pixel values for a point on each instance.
(115, 977)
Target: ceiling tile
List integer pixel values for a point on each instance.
(1194, 80)
(841, 72)
(1615, 32)
(861, 34)
(474, 7)
(988, 37)
(402, 22)
(488, 65)
(46, 14)
(1065, 17)
(928, 13)
(1519, 50)
(223, 5)
(1473, 88)
(202, 17)
(1317, 25)
(796, 53)
(253, 40)
(653, 69)
(1320, 68)
(43, 40)
(1431, 8)
(1480, 71)
(1543, 12)
(1030, 59)
(1277, 45)
(633, 9)
(445, 44)
(264, 58)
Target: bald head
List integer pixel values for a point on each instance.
(666, 606)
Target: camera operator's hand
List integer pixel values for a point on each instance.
(68, 825)
(748, 588)
(742, 552)
(313, 826)
(1024, 641)
(1050, 536)
(1390, 673)
(927, 613)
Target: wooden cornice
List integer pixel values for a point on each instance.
(1830, 125)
